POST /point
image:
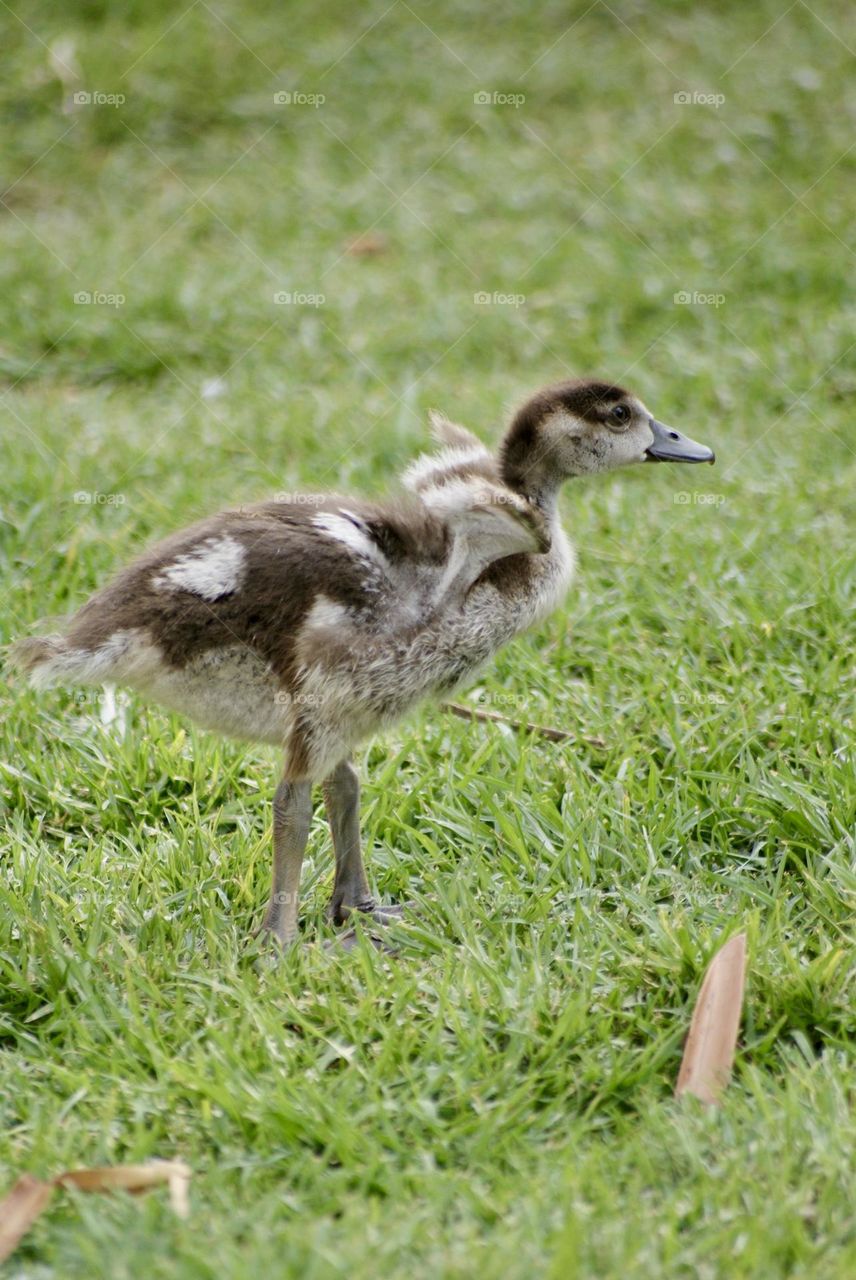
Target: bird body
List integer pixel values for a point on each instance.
(312, 623)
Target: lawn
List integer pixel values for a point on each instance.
(653, 193)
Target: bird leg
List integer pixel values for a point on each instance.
(351, 892)
(292, 814)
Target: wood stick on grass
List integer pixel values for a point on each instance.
(546, 731)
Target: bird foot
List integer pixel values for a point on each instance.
(370, 912)
(348, 940)
(378, 913)
(268, 944)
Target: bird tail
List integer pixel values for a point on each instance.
(50, 660)
(40, 658)
(58, 659)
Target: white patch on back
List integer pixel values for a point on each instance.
(212, 569)
(326, 614)
(345, 527)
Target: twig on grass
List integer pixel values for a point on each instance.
(545, 731)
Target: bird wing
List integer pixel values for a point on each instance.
(487, 522)
(461, 486)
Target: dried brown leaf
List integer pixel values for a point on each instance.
(712, 1040)
(124, 1177)
(371, 243)
(20, 1209)
(179, 1189)
(29, 1196)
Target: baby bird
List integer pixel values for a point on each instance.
(312, 624)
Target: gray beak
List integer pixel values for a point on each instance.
(671, 446)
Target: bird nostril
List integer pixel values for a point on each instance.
(674, 435)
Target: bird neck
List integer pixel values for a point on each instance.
(537, 483)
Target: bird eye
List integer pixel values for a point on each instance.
(620, 413)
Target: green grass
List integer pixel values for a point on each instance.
(495, 1101)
